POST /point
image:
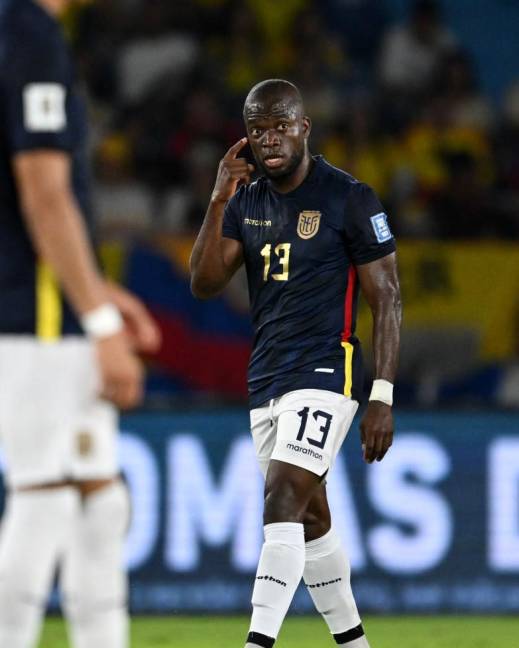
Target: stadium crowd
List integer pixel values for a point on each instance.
(398, 106)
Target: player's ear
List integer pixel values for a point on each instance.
(307, 126)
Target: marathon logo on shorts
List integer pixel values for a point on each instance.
(305, 451)
(272, 580)
(324, 583)
(381, 227)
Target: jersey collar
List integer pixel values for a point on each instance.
(312, 176)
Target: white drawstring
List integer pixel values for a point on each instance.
(271, 412)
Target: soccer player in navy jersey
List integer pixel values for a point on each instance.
(310, 236)
(66, 506)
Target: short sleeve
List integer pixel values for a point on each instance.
(35, 93)
(231, 220)
(367, 231)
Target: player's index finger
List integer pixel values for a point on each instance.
(235, 149)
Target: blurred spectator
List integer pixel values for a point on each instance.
(456, 86)
(508, 141)
(122, 204)
(411, 53)
(183, 207)
(355, 144)
(238, 51)
(319, 70)
(100, 30)
(159, 51)
(463, 207)
(358, 23)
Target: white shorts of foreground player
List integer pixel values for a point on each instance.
(53, 425)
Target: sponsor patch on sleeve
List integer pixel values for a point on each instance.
(381, 227)
(44, 108)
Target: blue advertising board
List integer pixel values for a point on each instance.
(434, 527)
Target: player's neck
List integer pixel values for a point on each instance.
(291, 182)
(53, 7)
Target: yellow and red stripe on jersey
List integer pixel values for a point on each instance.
(346, 334)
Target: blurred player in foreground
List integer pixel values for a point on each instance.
(308, 234)
(66, 505)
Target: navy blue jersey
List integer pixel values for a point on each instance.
(301, 250)
(40, 108)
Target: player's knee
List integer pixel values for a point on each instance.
(284, 502)
(111, 503)
(93, 577)
(316, 526)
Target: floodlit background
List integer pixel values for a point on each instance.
(425, 109)
(419, 100)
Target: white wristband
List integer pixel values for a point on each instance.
(382, 390)
(102, 322)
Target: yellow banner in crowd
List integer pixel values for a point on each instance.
(461, 285)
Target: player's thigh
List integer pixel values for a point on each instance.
(263, 430)
(311, 427)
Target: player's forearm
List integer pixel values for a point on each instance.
(209, 273)
(58, 234)
(387, 318)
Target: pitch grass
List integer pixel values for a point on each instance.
(307, 632)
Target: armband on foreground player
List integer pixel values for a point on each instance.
(311, 236)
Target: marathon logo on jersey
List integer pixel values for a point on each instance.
(381, 227)
(44, 108)
(308, 224)
(257, 222)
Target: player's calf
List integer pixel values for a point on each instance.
(288, 491)
(327, 578)
(35, 531)
(93, 579)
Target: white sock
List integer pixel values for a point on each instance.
(279, 572)
(33, 536)
(327, 577)
(93, 580)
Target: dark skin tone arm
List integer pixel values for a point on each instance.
(215, 258)
(380, 287)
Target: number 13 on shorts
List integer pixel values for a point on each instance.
(324, 429)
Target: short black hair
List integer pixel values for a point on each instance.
(269, 87)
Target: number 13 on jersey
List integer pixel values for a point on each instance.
(282, 251)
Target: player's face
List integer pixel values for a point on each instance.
(277, 133)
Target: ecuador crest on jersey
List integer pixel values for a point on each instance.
(308, 224)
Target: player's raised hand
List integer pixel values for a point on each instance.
(376, 431)
(231, 171)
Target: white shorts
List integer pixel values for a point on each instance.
(305, 428)
(53, 425)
